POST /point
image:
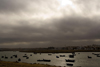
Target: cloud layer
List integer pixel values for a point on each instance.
(44, 23)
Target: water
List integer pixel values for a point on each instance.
(81, 58)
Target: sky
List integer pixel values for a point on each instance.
(47, 23)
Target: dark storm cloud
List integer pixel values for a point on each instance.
(79, 28)
(63, 31)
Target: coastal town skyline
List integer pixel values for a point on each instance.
(46, 23)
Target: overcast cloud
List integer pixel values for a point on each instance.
(45, 23)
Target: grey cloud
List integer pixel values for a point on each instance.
(16, 6)
(88, 6)
(66, 30)
(13, 5)
(79, 28)
(75, 28)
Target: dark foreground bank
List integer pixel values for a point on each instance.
(16, 64)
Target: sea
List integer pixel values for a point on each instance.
(81, 59)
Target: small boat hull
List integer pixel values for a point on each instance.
(69, 64)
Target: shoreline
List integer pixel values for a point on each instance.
(22, 64)
(59, 51)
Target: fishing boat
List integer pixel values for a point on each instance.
(6, 57)
(89, 57)
(57, 56)
(68, 64)
(62, 55)
(98, 55)
(19, 59)
(30, 54)
(44, 60)
(49, 54)
(69, 60)
(2, 56)
(24, 56)
(71, 56)
(27, 57)
(15, 56)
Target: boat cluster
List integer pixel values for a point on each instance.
(70, 60)
(16, 56)
(98, 55)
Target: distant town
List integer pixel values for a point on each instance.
(88, 47)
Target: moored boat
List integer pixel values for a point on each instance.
(98, 55)
(57, 56)
(44, 60)
(68, 64)
(24, 56)
(19, 59)
(62, 55)
(89, 57)
(69, 60)
(71, 56)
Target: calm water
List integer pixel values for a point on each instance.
(81, 58)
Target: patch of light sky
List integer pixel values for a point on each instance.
(62, 8)
(57, 9)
